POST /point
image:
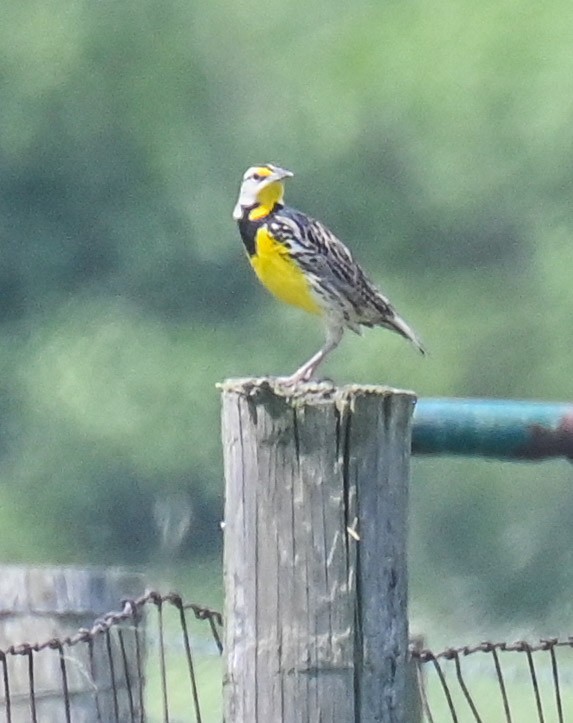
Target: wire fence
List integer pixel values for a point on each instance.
(101, 674)
(533, 666)
(130, 665)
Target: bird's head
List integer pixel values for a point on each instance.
(261, 188)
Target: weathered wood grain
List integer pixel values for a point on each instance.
(315, 552)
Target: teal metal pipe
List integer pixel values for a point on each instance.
(503, 429)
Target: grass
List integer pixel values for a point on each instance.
(485, 691)
(201, 583)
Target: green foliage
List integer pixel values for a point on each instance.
(434, 138)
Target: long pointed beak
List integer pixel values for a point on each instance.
(280, 173)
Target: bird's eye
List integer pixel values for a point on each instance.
(257, 177)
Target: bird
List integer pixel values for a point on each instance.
(302, 263)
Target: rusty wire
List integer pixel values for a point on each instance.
(431, 663)
(116, 653)
(115, 664)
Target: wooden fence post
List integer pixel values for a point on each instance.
(41, 604)
(315, 552)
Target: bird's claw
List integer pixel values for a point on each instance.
(300, 376)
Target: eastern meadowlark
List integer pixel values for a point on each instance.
(303, 263)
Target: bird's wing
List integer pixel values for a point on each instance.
(325, 260)
(347, 275)
(372, 307)
(335, 275)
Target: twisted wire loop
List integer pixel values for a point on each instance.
(126, 673)
(33, 711)
(528, 653)
(158, 602)
(136, 616)
(447, 693)
(555, 674)
(112, 676)
(178, 602)
(116, 666)
(421, 680)
(423, 658)
(93, 674)
(113, 669)
(501, 683)
(65, 688)
(7, 698)
(464, 688)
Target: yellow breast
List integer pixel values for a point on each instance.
(280, 274)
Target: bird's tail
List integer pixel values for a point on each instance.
(396, 323)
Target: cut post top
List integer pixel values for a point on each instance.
(313, 393)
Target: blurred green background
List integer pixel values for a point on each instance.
(436, 138)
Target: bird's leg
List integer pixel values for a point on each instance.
(306, 371)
